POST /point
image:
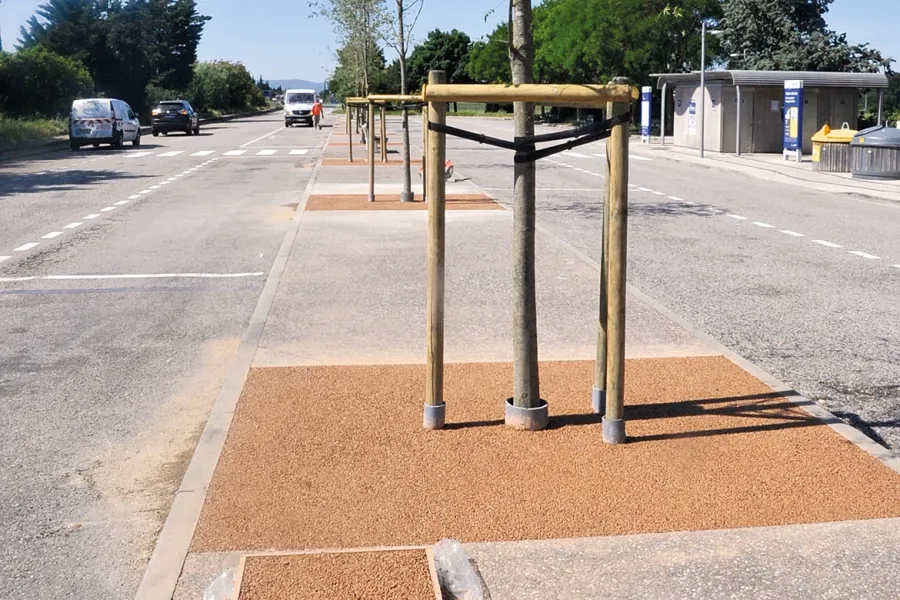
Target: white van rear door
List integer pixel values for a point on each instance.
(92, 119)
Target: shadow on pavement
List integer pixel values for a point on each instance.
(59, 181)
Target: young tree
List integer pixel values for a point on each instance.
(526, 384)
(441, 51)
(408, 12)
(358, 24)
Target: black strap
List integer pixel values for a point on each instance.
(525, 146)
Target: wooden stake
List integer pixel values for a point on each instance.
(424, 152)
(617, 244)
(436, 188)
(383, 134)
(370, 141)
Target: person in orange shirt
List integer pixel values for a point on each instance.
(317, 113)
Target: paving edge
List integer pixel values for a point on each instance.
(167, 560)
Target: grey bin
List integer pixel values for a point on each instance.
(875, 153)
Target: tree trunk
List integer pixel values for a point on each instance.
(526, 386)
(406, 195)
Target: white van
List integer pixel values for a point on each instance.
(95, 121)
(298, 106)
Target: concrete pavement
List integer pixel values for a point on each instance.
(130, 278)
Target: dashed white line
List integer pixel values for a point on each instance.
(636, 157)
(826, 244)
(659, 194)
(137, 154)
(122, 202)
(298, 152)
(793, 233)
(73, 225)
(41, 173)
(763, 225)
(146, 192)
(203, 153)
(575, 155)
(51, 235)
(600, 155)
(643, 189)
(172, 153)
(107, 209)
(266, 152)
(155, 187)
(675, 198)
(738, 217)
(164, 182)
(234, 153)
(862, 254)
(91, 216)
(135, 197)
(3, 258)
(25, 247)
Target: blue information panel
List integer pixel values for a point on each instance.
(646, 98)
(793, 119)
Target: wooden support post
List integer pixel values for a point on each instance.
(370, 142)
(424, 152)
(349, 137)
(349, 115)
(617, 244)
(383, 134)
(598, 393)
(436, 186)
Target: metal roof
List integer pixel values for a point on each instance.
(777, 78)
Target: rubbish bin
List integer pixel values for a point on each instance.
(831, 149)
(875, 153)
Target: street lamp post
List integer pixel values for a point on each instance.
(716, 32)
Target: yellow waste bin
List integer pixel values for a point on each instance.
(831, 149)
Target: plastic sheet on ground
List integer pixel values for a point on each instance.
(455, 572)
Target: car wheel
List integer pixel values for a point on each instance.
(197, 129)
(95, 145)
(74, 146)
(118, 141)
(155, 133)
(137, 139)
(188, 131)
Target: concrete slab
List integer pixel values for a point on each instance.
(354, 293)
(851, 559)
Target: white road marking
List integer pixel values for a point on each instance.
(155, 187)
(51, 235)
(172, 153)
(144, 276)
(135, 197)
(266, 152)
(164, 182)
(658, 194)
(41, 173)
(643, 189)
(204, 153)
(636, 157)
(298, 152)
(234, 153)
(137, 154)
(121, 202)
(73, 225)
(91, 216)
(600, 155)
(25, 247)
(262, 138)
(763, 225)
(738, 217)
(575, 154)
(864, 255)
(146, 191)
(826, 244)
(107, 209)
(3, 258)
(793, 233)
(188, 172)
(675, 198)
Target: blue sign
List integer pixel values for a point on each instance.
(793, 119)
(646, 98)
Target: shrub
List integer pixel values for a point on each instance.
(38, 83)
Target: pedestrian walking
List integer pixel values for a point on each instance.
(317, 113)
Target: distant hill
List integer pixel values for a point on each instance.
(289, 84)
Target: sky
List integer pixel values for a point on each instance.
(282, 41)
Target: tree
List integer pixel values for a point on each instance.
(408, 12)
(526, 384)
(441, 51)
(37, 82)
(359, 25)
(791, 35)
(489, 60)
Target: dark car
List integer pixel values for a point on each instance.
(175, 115)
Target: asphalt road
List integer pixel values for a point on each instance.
(803, 283)
(126, 281)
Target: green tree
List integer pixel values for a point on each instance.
(441, 50)
(359, 26)
(489, 60)
(791, 35)
(37, 82)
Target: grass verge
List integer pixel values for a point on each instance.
(18, 131)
